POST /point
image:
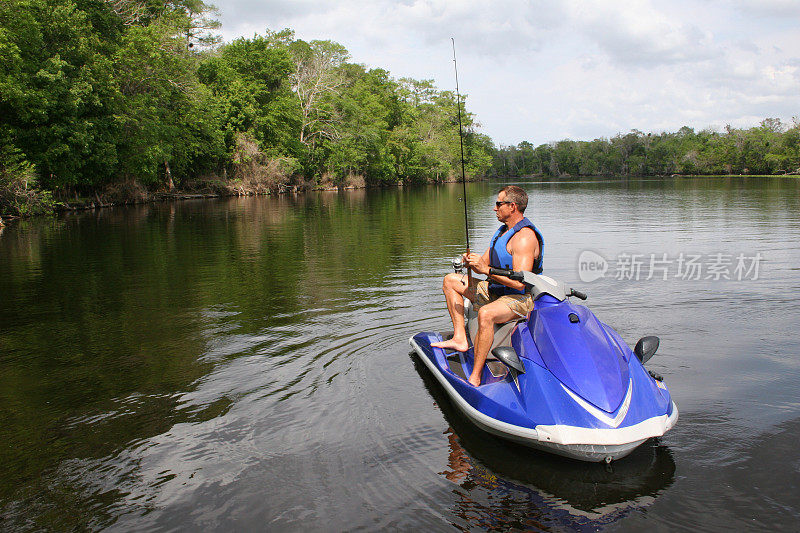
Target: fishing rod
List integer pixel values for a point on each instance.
(461, 141)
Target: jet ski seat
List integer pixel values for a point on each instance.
(502, 332)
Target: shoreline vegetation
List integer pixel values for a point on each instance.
(131, 98)
(770, 149)
(107, 102)
(134, 194)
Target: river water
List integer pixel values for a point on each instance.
(243, 364)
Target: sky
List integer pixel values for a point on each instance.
(546, 70)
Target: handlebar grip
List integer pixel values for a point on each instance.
(577, 294)
(510, 274)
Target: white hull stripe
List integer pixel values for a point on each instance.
(601, 415)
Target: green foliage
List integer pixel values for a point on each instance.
(103, 92)
(19, 191)
(250, 80)
(59, 91)
(166, 117)
(339, 121)
(770, 148)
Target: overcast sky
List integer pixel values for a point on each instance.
(546, 70)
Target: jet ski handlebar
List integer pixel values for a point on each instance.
(539, 284)
(577, 294)
(510, 274)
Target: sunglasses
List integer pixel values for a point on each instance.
(498, 204)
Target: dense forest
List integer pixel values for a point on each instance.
(103, 101)
(770, 148)
(114, 98)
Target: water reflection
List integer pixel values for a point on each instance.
(503, 485)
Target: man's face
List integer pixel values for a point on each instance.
(503, 208)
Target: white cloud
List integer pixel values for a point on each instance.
(640, 35)
(493, 29)
(769, 8)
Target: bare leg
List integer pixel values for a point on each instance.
(454, 288)
(488, 315)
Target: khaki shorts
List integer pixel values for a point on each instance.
(520, 304)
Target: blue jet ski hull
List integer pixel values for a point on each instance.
(587, 397)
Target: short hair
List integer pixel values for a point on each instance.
(517, 195)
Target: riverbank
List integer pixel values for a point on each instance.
(786, 175)
(133, 193)
(97, 200)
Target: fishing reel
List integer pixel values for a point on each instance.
(458, 264)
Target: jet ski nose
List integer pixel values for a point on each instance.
(581, 355)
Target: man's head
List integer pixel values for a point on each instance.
(515, 195)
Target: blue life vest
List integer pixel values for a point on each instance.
(500, 258)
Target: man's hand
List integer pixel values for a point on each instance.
(476, 263)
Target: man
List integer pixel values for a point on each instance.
(517, 245)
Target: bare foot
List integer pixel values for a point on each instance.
(459, 345)
(475, 381)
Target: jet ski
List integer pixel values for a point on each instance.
(558, 380)
(575, 495)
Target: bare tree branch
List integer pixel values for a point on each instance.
(130, 11)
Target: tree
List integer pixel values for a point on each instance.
(250, 79)
(170, 123)
(416, 92)
(199, 28)
(58, 98)
(316, 77)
